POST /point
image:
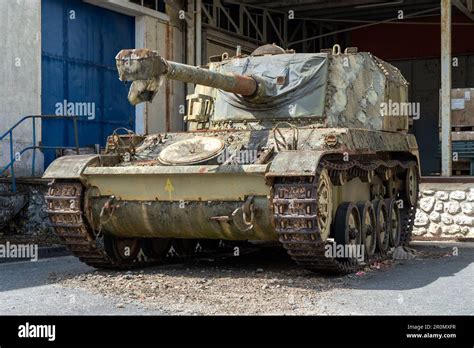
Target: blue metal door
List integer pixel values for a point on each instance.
(79, 44)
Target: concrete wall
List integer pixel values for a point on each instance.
(163, 114)
(20, 76)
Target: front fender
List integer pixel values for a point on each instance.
(295, 163)
(70, 167)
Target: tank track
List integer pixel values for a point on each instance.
(65, 209)
(301, 239)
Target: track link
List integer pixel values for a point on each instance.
(295, 214)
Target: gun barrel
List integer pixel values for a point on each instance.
(146, 67)
(238, 84)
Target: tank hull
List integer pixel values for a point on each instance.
(206, 200)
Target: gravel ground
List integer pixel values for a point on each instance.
(266, 282)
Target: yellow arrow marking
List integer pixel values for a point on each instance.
(169, 187)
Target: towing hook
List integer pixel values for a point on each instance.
(244, 216)
(109, 208)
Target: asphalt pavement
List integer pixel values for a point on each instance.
(427, 286)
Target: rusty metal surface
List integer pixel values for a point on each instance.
(192, 219)
(146, 68)
(192, 151)
(175, 186)
(289, 163)
(297, 214)
(344, 90)
(69, 167)
(240, 173)
(65, 210)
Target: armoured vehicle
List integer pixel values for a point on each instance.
(304, 149)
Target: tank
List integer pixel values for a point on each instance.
(303, 149)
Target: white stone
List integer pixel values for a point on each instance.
(439, 206)
(419, 231)
(467, 208)
(442, 195)
(434, 229)
(470, 196)
(428, 192)
(361, 116)
(452, 207)
(463, 220)
(435, 216)
(446, 219)
(427, 203)
(466, 230)
(454, 229)
(421, 219)
(458, 195)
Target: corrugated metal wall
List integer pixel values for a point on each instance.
(79, 44)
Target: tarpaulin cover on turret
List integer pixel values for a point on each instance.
(295, 86)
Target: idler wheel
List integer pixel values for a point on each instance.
(381, 231)
(394, 224)
(156, 248)
(368, 227)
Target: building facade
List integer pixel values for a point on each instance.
(59, 60)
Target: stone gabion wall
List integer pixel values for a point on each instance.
(32, 219)
(445, 213)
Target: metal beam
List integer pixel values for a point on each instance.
(277, 30)
(211, 19)
(247, 23)
(229, 18)
(464, 9)
(198, 32)
(317, 5)
(446, 146)
(255, 25)
(190, 40)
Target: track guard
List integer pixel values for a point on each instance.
(69, 167)
(295, 163)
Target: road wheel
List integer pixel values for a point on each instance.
(347, 229)
(381, 231)
(368, 227)
(411, 185)
(394, 224)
